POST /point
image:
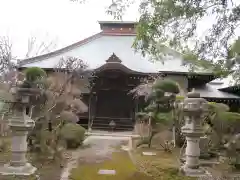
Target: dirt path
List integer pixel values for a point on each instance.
(96, 149)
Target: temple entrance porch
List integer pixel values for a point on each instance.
(114, 104)
(114, 110)
(111, 106)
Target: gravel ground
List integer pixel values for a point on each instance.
(96, 149)
(100, 148)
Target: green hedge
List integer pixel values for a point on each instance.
(164, 117)
(34, 73)
(73, 135)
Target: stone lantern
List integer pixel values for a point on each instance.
(193, 109)
(20, 124)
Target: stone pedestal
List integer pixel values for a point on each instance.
(20, 124)
(193, 108)
(204, 154)
(192, 163)
(192, 152)
(24, 170)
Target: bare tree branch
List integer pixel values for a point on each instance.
(6, 57)
(37, 47)
(61, 83)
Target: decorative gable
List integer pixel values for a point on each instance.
(113, 59)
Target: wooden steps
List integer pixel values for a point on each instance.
(123, 124)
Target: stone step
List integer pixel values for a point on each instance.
(109, 128)
(107, 125)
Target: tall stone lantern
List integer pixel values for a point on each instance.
(20, 124)
(193, 109)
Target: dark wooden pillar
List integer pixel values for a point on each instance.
(89, 110)
(94, 107)
(136, 110)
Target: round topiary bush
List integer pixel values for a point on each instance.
(73, 135)
(166, 85)
(33, 78)
(34, 73)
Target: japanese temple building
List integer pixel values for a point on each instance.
(118, 69)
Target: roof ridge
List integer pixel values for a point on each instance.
(118, 34)
(61, 50)
(119, 22)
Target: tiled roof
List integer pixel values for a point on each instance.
(40, 58)
(224, 83)
(116, 37)
(98, 48)
(211, 90)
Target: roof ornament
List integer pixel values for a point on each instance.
(113, 59)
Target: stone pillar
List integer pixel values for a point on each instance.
(193, 109)
(20, 124)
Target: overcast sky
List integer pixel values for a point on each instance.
(63, 21)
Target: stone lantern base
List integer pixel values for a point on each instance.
(199, 172)
(25, 170)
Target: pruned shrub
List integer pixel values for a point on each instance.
(34, 73)
(166, 85)
(164, 117)
(34, 78)
(73, 135)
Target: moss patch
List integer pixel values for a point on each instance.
(163, 166)
(120, 162)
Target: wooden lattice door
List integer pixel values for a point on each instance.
(113, 104)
